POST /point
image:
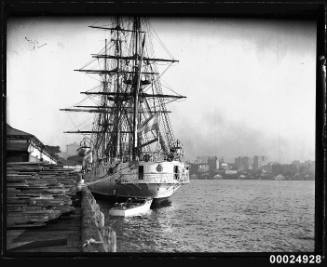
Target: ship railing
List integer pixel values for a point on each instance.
(156, 178)
(148, 178)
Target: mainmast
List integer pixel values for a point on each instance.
(117, 149)
(104, 102)
(115, 143)
(138, 67)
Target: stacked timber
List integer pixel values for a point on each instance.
(38, 193)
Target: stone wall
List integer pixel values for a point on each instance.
(96, 237)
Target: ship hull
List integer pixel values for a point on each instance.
(127, 181)
(156, 191)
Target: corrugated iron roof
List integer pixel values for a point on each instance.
(13, 131)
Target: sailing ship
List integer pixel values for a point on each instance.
(131, 148)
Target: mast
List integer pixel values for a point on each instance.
(118, 53)
(104, 102)
(138, 66)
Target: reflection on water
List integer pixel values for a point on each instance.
(161, 204)
(223, 216)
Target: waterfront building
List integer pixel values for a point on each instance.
(25, 147)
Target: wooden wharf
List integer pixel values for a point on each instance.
(47, 212)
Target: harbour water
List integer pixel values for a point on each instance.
(223, 216)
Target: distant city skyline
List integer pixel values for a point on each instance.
(250, 84)
(267, 160)
(245, 167)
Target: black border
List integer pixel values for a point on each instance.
(291, 9)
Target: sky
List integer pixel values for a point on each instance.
(250, 84)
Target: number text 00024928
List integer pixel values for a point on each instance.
(293, 259)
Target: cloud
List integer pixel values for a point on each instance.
(60, 44)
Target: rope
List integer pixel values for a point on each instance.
(91, 241)
(161, 43)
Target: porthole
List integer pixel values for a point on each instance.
(159, 168)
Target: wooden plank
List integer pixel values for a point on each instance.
(38, 243)
(24, 226)
(13, 234)
(38, 192)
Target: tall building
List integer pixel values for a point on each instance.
(258, 162)
(213, 164)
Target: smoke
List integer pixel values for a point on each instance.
(214, 135)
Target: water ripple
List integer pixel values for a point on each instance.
(224, 216)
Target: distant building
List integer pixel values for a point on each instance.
(72, 149)
(267, 167)
(194, 168)
(230, 172)
(202, 162)
(203, 167)
(25, 147)
(53, 149)
(276, 168)
(243, 163)
(296, 165)
(224, 166)
(309, 166)
(291, 170)
(213, 164)
(231, 166)
(258, 162)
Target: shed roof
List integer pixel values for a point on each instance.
(15, 132)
